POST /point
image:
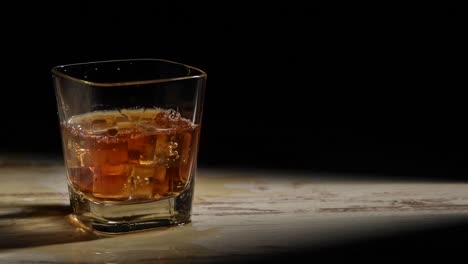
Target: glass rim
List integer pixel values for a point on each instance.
(56, 71)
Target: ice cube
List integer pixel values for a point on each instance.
(125, 125)
(141, 149)
(141, 182)
(160, 182)
(132, 114)
(114, 156)
(81, 178)
(172, 119)
(147, 128)
(110, 181)
(96, 127)
(99, 122)
(167, 149)
(176, 185)
(135, 145)
(121, 118)
(161, 152)
(77, 154)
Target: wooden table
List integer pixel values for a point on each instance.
(238, 216)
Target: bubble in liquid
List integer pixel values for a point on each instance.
(173, 114)
(172, 149)
(112, 132)
(147, 180)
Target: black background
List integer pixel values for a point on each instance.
(362, 89)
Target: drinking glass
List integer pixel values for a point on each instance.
(130, 131)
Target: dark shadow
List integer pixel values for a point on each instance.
(445, 243)
(11, 212)
(393, 174)
(28, 226)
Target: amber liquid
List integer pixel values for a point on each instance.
(129, 155)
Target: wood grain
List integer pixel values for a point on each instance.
(236, 215)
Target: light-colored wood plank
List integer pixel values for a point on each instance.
(235, 214)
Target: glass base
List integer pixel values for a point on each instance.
(123, 218)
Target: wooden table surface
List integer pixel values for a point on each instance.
(237, 216)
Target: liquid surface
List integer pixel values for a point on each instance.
(129, 155)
